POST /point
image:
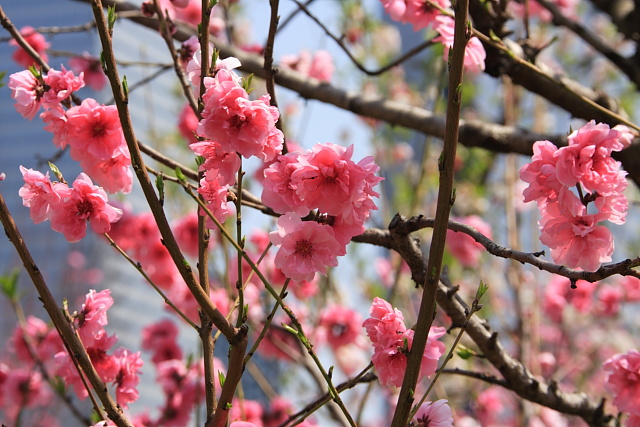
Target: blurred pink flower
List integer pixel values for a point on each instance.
(36, 41)
(339, 325)
(624, 381)
(463, 247)
(94, 77)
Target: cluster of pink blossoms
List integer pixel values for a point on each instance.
(624, 383)
(121, 368)
(91, 130)
(324, 178)
(392, 341)
(421, 14)
(572, 232)
(68, 208)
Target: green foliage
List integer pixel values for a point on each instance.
(9, 284)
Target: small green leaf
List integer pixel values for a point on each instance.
(482, 289)
(246, 83)
(199, 161)
(9, 284)
(56, 172)
(125, 87)
(160, 187)
(464, 352)
(2, 74)
(212, 3)
(111, 18)
(180, 176)
(221, 378)
(214, 58)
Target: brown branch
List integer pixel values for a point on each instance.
(403, 226)
(446, 198)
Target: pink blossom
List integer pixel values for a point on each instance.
(94, 130)
(84, 203)
(56, 122)
(92, 69)
(319, 66)
(127, 378)
(237, 123)
(92, 318)
(541, 173)
(36, 41)
(249, 411)
(339, 325)
(27, 91)
(395, 8)
(279, 191)
(39, 194)
(577, 241)
(329, 180)
(609, 298)
(114, 173)
(61, 85)
(186, 231)
(421, 14)
(160, 339)
(464, 247)
(434, 414)
(474, 53)
(36, 336)
(631, 286)
(304, 247)
(218, 161)
(24, 388)
(392, 342)
(587, 159)
(624, 381)
(215, 195)
(3, 176)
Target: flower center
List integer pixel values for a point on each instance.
(303, 248)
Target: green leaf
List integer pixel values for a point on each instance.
(180, 176)
(2, 74)
(111, 18)
(246, 83)
(9, 284)
(464, 352)
(199, 161)
(160, 187)
(56, 172)
(125, 87)
(221, 378)
(482, 289)
(212, 3)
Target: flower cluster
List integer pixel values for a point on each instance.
(91, 130)
(392, 341)
(421, 14)
(574, 234)
(624, 382)
(68, 208)
(122, 368)
(324, 178)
